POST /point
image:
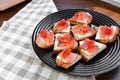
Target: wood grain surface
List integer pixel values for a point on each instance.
(7, 14)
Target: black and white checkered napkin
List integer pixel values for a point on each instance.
(18, 60)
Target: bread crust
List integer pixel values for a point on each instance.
(67, 65)
(66, 30)
(119, 30)
(76, 23)
(86, 57)
(62, 64)
(41, 44)
(83, 54)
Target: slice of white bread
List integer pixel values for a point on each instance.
(61, 28)
(81, 17)
(108, 38)
(45, 42)
(80, 33)
(70, 41)
(66, 60)
(86, 55)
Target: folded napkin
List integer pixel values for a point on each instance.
(18, 60)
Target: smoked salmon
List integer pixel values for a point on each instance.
(63, 41)
(66, 58)
(83, 31)
(107, 34)
(61, 26)
(81, 17)
(45, 39)
(90, 48)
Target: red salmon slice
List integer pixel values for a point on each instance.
(63, 40)
(47, 36)
(44, 33)
(90, 46)
(66, 40)
(51, 37)
(71, 58)
(68, 56)
(61, 25)
(81, 16)
(106, 31)
(65, 53)
(72, 43)
(82, 29)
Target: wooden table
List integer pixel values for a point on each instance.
(99, 6)
(7, 14)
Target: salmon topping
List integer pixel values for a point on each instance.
(47, 36)
(51, 37)
(82, 16)
(71, 58)
(66, 40)
(62, 24)
(89, 45)
(68, 56)
(82, 29)
(105, 31)
(44, 33)
(65, 53)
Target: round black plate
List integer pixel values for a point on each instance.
(107, 60)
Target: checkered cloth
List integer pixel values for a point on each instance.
(18, 60)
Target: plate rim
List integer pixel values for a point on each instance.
(37, 28)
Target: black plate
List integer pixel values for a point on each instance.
(107, 60)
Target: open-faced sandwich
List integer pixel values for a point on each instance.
(90, 48)
(63, 41)
(106, 34)
(83, 31)
(66, 58)
(81, 17)
(75, 34)
(62, 26)
(45, 39)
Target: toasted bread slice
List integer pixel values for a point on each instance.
(90, 48)
(63, 41)
(81, 17)
(45, 39)
(66, 58)
(83, 31)
(62, 26)
(107, 34)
